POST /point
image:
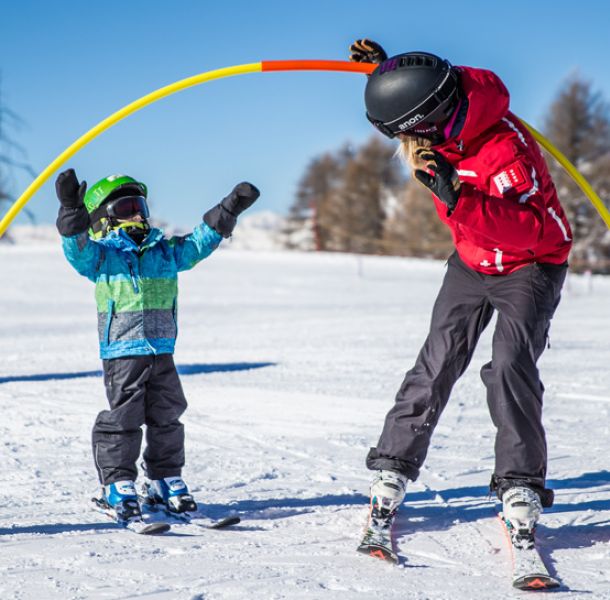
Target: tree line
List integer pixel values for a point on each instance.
(12, 156)
(360, 199)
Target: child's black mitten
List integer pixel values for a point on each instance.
(223, 217)
(70, 192)
(73, 217)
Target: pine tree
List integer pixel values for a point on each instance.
(413, 227)
(8, 146)
(579, 125)
(343, 197)
(370, 179)
(315, 189)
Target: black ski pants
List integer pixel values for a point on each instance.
(141, 390)
(525, 301)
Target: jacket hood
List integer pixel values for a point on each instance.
(119, 240)
(488, 101)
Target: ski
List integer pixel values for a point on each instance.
(136, 524)
(189, 518)
(377, 539)
(529, 570)
(193, 519)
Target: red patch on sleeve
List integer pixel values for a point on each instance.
(514, 177)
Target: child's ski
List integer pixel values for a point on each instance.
(190, 518)
(203, 522)
(135, 524)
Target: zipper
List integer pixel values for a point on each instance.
(109, 320)
(499, 264)
(134, 281)
(557, 219)
(175, 314)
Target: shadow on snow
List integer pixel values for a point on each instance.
(56, 528)
(189, 369)
(426, 510)
(431, 510)
(465, 504)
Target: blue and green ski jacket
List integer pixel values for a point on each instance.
(136, 288)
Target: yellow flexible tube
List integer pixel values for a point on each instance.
(108, 122)
(582, 183)
(267, 66)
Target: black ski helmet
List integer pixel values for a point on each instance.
(410, 90)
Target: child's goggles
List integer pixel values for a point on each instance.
(123, 208)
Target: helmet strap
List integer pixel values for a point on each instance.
(448, 129)
(136, 230)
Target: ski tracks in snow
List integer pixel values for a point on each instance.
(284, 446)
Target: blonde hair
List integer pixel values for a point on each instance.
(408, 148)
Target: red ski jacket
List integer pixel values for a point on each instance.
(508, 214)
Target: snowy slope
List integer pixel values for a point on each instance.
(290, 362)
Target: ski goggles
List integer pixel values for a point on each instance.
(423, 129)
(127, 206)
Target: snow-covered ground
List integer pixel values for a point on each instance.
(290, 362)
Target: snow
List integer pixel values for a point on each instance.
(261, 231)
(290, 362)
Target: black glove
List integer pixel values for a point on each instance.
(70, 193)
(73, 217)
(444, 184)
(367, 51)
(223, 217)
(242, 196)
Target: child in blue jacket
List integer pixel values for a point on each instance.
(106, 237)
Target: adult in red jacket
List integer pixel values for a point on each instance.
(492, 188)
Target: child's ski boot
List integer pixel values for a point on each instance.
(172, 493)
(119, 501)
(121, 497)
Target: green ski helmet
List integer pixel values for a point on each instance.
(102, 192)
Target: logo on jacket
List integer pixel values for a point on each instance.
(513, 177)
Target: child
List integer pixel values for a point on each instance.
(106, 237)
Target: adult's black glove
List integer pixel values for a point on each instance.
(73, 217)
(444, 182)
(70, 192)
(223, 217)
(367, 51)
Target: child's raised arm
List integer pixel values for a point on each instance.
(223, 217)
(73, 223)
(218, 223)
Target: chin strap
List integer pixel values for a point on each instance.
(136, 230)
(143, 225)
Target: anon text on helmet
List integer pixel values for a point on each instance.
(410, 122)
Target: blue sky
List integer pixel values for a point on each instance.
(66, 65)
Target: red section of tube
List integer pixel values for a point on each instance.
(317, 65)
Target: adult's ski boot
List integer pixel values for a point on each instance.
(521, 510)
(388, 490)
